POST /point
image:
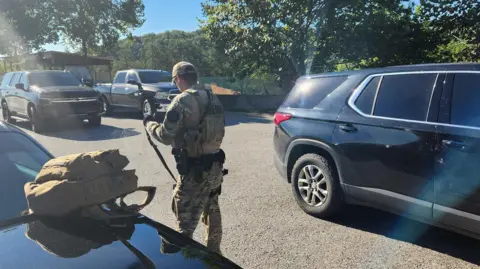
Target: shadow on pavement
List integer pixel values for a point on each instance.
(81, 131)
(238, 118)
(124, 115)
(231, 118)
(403, 229)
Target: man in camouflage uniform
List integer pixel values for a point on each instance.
(195, 122)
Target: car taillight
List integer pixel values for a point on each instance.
(281, 117)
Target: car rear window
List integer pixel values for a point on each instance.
(308, 93)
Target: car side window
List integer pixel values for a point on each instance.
(15, 79)
(132, 76)
(24, 80)
(405, 96)
(465, 100)
(365, 100)
(120, 78)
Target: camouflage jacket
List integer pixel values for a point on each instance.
(181, 126)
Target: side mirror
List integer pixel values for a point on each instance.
(87, 82)
(20, 86)
(134, 82)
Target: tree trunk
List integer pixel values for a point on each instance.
(84, 50)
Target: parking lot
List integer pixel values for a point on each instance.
(263, 227)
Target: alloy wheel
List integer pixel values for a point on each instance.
(147, 108)
(312, 185)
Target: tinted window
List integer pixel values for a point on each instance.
(14, 80)
(53, 79)
(20, 162)
(405, 96)
(308, 93)
(155, 76)
(466, 100)
(120, 78)
(132, 76)
(364, 102)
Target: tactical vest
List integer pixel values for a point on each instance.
(208, 137)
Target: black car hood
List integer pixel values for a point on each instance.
(132, 242)
(162, 86)
(67, 92)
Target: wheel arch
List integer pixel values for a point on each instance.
(30, 104)
(302, 146)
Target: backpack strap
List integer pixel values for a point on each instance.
(136, 208)
(205, 109)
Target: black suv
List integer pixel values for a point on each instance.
(44, 96)
(404, 139)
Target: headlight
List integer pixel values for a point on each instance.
(161, 95)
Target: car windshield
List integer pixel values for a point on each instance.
(154, 76)
(48, 79)
(20, 162)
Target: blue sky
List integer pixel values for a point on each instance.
(163, 15)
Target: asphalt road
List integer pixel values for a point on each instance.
(263, 227)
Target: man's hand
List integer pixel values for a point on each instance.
(147, 118)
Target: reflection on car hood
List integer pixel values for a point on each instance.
(162, 86)
(67, 92)
(130, 242)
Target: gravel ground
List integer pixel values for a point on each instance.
(263, 227)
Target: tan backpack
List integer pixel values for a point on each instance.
(83, 180)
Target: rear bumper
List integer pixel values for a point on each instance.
(281, 167)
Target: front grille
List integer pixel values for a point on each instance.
(68, 108)
(68, 94)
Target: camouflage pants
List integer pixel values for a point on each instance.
(191, 201)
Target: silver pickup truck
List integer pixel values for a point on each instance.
(139, 90)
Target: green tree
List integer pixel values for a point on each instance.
(373, 34)
(25, 25)
(272, 36)
(163, 50)
(96, 23)
(458, 24)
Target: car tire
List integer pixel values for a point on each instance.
(314, 179)
(7, 116)
(147, 108)
(106, 106)
(95, 121)
(37, 124)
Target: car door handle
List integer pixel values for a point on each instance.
(348, 128)
(454, 144)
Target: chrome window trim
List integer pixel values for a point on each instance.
(431, 96)
(357, 91)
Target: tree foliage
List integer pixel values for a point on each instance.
(25, 25)
(90, 23)
(458, 24)
(267, 36)
(162, 51)
(373, 34)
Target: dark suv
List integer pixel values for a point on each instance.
(45, 96)
(404, 139)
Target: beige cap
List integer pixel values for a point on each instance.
(182, 68)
